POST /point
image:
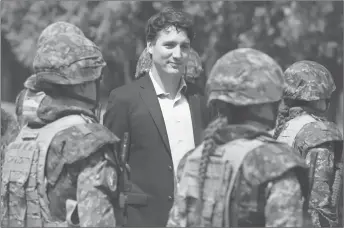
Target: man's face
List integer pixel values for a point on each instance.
(170, 51)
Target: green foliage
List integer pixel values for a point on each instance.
(286, 30)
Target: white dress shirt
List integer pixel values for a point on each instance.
(178, 122)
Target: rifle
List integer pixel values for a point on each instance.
(124, 176)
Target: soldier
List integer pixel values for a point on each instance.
(62, 168)
(302, 124)
(239, 175)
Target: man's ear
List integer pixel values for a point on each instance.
(150, 47)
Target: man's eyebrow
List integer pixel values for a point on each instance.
(172, 41)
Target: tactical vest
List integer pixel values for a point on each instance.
(293, 127)
(221, 175)
(23, 189)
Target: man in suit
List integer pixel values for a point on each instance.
(164, 115)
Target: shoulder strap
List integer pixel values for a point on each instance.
(235, 155)
(293, 127)
(45, 136)
(31, 104)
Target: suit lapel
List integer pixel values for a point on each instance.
(195, 111)
(149, 97)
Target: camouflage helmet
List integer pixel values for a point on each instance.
(68, 59)
(56, 28)
(193, 66)
(308, 81)
(245, 76)
(144, 63)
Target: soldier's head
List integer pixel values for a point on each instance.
(246, 84)
(143, 64)
(57, 28)
(193, 67)
(68, 65)
(168, 35)
(308, 84)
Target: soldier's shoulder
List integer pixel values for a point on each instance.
(271, 160)
(316, 133)
(82, 140)
(91, 130)
(76, 145)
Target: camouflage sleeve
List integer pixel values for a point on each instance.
(181, 165)
(177, 215)
(284, 203)
(96, 188)
(321, 210)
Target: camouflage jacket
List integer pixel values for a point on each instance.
(321, 137)
(81, 167)
(267, 191)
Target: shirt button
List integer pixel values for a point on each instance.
(170, 167)
(170, 198)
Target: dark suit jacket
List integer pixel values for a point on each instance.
(135, 108)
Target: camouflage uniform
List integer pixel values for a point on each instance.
(249, 179)
(310, 133)
(67, 174)
(193, 67)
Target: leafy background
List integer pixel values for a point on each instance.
(287, 30)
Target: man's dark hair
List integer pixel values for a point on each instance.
(166, 18)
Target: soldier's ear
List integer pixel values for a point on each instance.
(150, 47)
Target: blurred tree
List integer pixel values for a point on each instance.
(287, 30)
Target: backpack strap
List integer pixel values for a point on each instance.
(235, 155)
(46, 134)
(222, 172)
